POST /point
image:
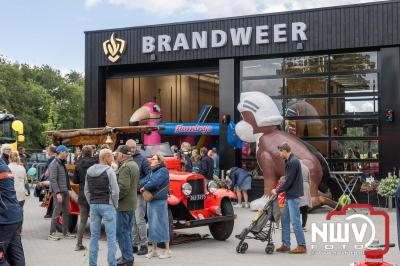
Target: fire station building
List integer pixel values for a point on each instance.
(334, 74)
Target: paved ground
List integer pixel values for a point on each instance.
(39, 251)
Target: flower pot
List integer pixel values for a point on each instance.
(390, 204)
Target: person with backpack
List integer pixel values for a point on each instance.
(102, 193)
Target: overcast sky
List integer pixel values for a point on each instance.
(51, 31)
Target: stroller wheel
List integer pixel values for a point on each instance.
(242, 247)
(269, 249)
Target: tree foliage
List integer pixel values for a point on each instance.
(41, 98)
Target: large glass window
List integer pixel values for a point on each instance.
(359, 83)
(306, 64)
(307, 127)
(354, 62)
(354, 105)
(330, 101)
(263, 67)
(271, 87)
(307, 107)
(354, 127)
(354, 149)
(321, 146)
(305, 85)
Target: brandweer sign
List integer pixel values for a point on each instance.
(264, 34)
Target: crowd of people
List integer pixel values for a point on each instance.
(203, 161)
(121, 188)
(111, 188)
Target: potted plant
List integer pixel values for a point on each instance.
(387, 188)
(368, 187)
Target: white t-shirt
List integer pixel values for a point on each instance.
(20, 178)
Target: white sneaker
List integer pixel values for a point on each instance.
(237, 206)
(53, 237)
(152, 253)
(69, 236)
(247, 205)
(165, 255)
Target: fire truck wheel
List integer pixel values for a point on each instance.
(223, 230)
(73, 220)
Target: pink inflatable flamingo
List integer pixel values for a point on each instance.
(150, 115)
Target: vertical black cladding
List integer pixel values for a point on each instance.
(227, 91)
(389, 146)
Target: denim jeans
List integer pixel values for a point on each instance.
(124, 233)
(107, 213)
(139, 224)
(11, 246)
(291, 215)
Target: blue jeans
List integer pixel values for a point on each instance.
(291, 215)
(124, 233)
(107, 213)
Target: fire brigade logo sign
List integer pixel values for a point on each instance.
(114, 48)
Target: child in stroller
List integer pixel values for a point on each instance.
(261, 227)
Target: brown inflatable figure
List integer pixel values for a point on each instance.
(260, 124)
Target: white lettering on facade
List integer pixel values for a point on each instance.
(148, 44)
(164, 43)
(280, 33)
(241, 36)
(262, 34)
(299, 30)
(199, 40)
(181, 42)
(219, 38)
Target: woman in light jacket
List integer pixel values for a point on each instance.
(305, 201)
(157, 182)
(20, 178)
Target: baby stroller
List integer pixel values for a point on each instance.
(261, 227)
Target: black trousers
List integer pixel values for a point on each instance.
(11, 250)
(304, 215)
(58, 208)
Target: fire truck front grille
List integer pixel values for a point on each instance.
(196, 200)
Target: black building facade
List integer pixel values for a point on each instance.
(333, 72)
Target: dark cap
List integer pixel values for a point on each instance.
(124, 149)
(284, 147)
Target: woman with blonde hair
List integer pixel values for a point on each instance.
(5, 153)
(20, 178)
(157, 183)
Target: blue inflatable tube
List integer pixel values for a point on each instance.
(186, 129)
